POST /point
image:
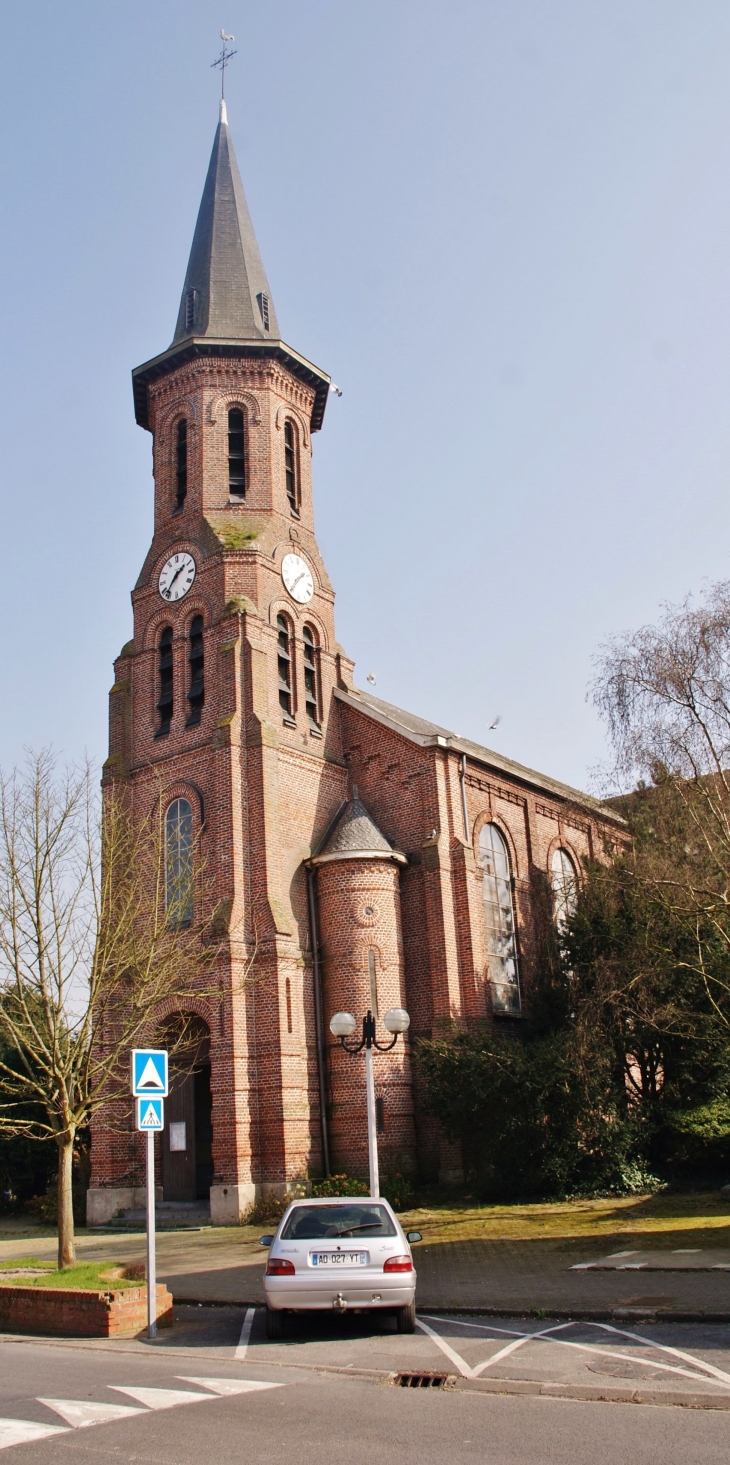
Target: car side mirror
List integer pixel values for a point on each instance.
(413, 1236)
(266, 1241)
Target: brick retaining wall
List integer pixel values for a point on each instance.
(75, 1313)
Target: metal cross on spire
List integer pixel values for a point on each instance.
(223, 59)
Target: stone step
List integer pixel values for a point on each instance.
(169, 1216)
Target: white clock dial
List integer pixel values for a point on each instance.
(297, 577)
(176, 576)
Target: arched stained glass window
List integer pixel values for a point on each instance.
(500, 919)
(179, 862)
(564, 880)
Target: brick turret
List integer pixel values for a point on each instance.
(362, 952)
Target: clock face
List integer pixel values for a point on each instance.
(176, 576)
(297, 577)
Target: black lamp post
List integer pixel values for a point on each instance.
(343, 1025)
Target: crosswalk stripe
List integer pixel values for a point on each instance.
(228, 1386)
(161, 1398)
(21, 1431)
(80, 1413)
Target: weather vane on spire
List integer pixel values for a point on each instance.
(222, 61)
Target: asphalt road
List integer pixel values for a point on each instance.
(205, 1393)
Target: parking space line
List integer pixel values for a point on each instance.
(243, 1341)
(709, 1368)
(712, 1374)
(451, 1353)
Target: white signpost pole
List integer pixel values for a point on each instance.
(151, 1259)
(150, 1080)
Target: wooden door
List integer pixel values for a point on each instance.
(178, 1141)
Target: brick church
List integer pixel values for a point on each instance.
(362, 857)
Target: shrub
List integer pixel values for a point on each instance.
(694, 1144)
(535, 1118)
(398, 1190)
(340, 1185)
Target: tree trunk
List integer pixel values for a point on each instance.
(66, 1239)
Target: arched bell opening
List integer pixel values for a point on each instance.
(187, 1141)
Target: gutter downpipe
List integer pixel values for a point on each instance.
(318, 1018)
(462, 779)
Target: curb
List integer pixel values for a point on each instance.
(581, 1393)
(596, 1394)
(535, 1314)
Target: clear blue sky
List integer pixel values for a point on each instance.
(502, 225)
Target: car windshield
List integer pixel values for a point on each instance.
(312, 1223)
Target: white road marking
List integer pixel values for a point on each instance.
(80, 1413)
(22, 1431)
(455, 1357)
(709, 1368)
(243, 1341)
(162, 1398)
(228, 1386)
(715, 1375)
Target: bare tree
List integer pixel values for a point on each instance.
(95, 943)
(664, 691)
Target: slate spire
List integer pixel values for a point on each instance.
(226, 295)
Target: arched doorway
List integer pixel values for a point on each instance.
(187, 1141)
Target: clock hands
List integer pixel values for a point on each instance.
(174, 578)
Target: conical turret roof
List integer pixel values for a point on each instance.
(355, 835)
(226, 294)
(226, 308)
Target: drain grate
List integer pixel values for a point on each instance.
(422, 1380)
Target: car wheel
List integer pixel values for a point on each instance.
(406, 1318)
(275, 1324)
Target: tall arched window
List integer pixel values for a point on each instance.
(165, 702)
(179, 862)
(311, 675)
(284, 661)
(181, 462)
(291, 466)
(564, 880)
(196, 690)
(500, 917)
(236, 454)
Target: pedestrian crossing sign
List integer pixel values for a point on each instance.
(150, 1114)
(149, 1072)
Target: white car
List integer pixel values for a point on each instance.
(340, 1255)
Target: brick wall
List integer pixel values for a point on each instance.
(264, 787)
(71, 1312)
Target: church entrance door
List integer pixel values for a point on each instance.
(187, 1153)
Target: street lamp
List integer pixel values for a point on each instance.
(342, 1026)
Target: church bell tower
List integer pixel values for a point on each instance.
(224, 699)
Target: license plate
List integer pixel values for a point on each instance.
(338, 1258)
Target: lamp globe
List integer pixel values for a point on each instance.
(397, 1020)
(343, 1024)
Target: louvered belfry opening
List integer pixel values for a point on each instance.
(236, 453)
(181, 463)
(165, 703)
(196, 662)
(284, 665)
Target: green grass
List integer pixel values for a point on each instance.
(91, 1276)
(703, 1218)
